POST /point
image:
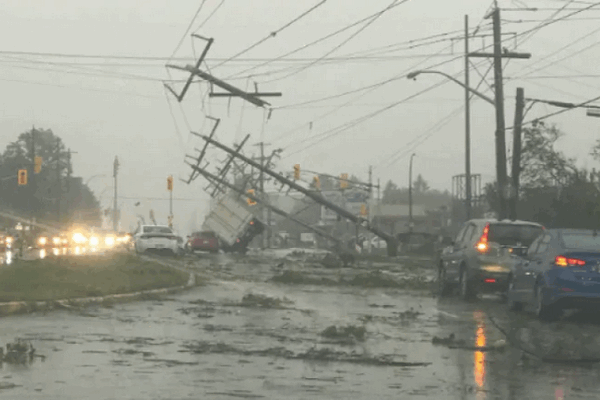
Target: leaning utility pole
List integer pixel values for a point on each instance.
(392, 242)
(498, 55)
(115, 211)
(516, 158)
(262, 189)
(257, 199)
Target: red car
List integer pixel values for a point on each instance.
(203, 241)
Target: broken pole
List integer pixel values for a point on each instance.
(392, 242)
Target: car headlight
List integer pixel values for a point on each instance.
(42, 241)
(109, 241)
(79, 238)
(94, 241)
(56, 241)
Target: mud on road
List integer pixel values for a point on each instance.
(268, 326)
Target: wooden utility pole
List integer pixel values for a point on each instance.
(499, 54)
(468, 191)
(32, 178)
(516, 158)
(115, 211)
(58, 181)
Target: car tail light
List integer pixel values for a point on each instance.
(482, 244)
(489, 280)
(563, 261)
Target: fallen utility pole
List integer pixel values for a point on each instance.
(249, 97)
(392, 242)
(203, 152)
(257, 199)
(232, 91)
(223, 172)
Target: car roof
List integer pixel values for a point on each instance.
(503, 221)
(156, 226)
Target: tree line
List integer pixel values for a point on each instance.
(553, 190)
(53, 194)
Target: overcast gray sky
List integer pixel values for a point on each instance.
(104, 107)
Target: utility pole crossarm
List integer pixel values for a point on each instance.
(222, 84)
(203, 152)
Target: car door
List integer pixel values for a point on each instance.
(538, 264)
(522, 268)
(454, 256)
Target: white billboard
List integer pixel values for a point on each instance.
(350, 200)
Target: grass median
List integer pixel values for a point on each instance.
(69, 277)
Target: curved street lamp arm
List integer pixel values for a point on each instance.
(414, 74)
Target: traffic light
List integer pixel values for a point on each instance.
(343, 181)
(38, 165)
(249, 200)
(317, 182)
(22, 177)
(363, 210)
(170, 183)
(297, 172)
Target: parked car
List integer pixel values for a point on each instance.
(482, 254)
(156, 238)
(203, 241)
(560, 271)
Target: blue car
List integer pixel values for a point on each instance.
(561, 270)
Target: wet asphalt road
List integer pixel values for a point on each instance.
(241, 336)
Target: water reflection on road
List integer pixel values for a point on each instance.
(207, 343)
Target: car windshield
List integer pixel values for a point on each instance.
(157, 229)
(581, 241)
(513, 234)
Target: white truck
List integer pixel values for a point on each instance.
(233, 223)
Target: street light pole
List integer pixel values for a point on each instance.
(410, 201)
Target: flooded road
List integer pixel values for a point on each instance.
(243, 335)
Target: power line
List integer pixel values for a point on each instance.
(209, 16)
(402, 75)
(188, 28)
(274, 33)
(358, 32)
(556, 113)
(309, 44)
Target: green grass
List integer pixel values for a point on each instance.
(83, 276)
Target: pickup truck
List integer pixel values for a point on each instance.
(233, 223)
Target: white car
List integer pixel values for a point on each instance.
(156, 237)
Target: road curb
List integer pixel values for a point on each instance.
(25, 307)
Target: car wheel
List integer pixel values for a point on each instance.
(543, 311)
(466, 288)
(443, 288)
(511, 303)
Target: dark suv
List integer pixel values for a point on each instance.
(480, 257)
